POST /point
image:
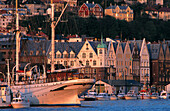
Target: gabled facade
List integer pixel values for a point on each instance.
(90, 9)
(136, 62)
(144, 64)
(128, 62)
(120, 12)
(167, 63)
(119, 62)
(111, 61)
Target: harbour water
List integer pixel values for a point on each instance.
(118, 105)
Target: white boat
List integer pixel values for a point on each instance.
(54, 93)
(143, 95)
(154, 95)
(131, 95)
(90, 96)
(113, 97)
(102, 96)
(163, 95)
(41, 92)
(20, 103)
(121, 96)
(5, 96)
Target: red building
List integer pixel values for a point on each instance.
(90, 9)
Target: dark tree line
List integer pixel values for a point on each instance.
(152, 30)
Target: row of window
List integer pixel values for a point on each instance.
(72, 63)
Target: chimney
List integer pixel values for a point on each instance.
(134, 39)
(87, 2)
(92, 2)
(110, 4)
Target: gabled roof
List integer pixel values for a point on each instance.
(131, 45)
(34, 46)
(150, 9)
(33, 2)
(91, 5)
(94, 45)
(164, 9)
(123, 44)
(68, 46)
(154, 50)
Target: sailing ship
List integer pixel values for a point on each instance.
(41, 92)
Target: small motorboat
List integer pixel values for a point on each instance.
(163, 95)
(102, 96)
(154, 95)
(113, 97)
(20, 103)
(143, 95)
(131, 95)
(121, 96)
(90, 96)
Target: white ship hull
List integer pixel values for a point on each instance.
(55, 93)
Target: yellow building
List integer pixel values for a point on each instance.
(120, 12)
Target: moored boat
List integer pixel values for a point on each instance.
(90, 96)
(20, 102)
(113, 97)
(131, 95)
(143, 95)
(154, 95)
(121, 96)
(163, 95)
(102, 96)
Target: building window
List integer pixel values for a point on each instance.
(100, 51)
(72, 63)
(84, 55)
(87, 63)
(65, 55)
(31, 52)
(58, 56)
(37, 53)
(65, 63)
(72, 55)
(91, 55)
(94, 63)
(58, 62)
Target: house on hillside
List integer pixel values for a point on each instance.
(120, 12)
(90, 9)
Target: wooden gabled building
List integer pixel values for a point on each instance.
(90, 9)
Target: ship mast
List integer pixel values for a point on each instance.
(17, 40)
(53, 25)
(17, 37)
(53, 37)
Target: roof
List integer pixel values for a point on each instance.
(33, 2)
(153, 50)
(68, 46)
(164, 9)
(150, 9)
(123, 82)
(91, 5)
(34, 46)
